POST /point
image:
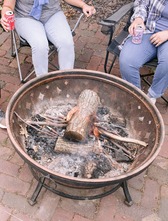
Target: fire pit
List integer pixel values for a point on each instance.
(145, 124)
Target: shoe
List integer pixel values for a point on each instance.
(2, 120)
(153, 100)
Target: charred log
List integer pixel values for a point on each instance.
(81, 121)
(70, 147)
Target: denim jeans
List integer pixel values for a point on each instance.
(134, 56)
(37, 34)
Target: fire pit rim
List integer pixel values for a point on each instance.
(103, 76)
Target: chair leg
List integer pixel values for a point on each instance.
(52, 50)
(106, 62)
(15, 53)
(77, 23)
(164, 99)
(112, 63)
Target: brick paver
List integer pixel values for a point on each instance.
(149, 190)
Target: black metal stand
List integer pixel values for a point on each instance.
(32, 201)
(41, 183)
(128, 200)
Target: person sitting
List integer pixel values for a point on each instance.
(152, 16)
(38, 21)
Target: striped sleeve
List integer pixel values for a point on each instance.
(140, 9)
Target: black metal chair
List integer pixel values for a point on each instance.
(15, 47)
(119, 23)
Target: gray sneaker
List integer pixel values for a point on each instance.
(2, 120)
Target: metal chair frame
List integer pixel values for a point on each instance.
(23, 43)
(109, 26)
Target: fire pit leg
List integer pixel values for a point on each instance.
(128, 200)
(32, 201)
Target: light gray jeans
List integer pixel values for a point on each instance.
(37, 34)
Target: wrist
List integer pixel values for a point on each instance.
(138, 19)
(83, 4)
(7, 6)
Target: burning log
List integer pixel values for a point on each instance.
(80, 123)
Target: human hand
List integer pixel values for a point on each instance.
(137, 22)
(159, 38)
(4, 21)
(88, 10)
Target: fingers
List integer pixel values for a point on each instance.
(137, 22)
(131, 29)
(155, 40)
(89, 10)
(5, 24)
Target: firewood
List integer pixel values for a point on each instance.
(86, 150)
(81, 121)
(46, 123)
(34, 127)
(124, 139)
(69, 147)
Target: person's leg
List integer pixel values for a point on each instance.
(160, 80)
(33, 32)
(59, 33)
(133, 56)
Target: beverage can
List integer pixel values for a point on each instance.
(11, 19)
(137, 38)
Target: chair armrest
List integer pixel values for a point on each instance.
(117, 16)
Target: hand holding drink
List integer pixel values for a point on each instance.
(7, 20)
(136, 30)
(138, 34)
(10, 19)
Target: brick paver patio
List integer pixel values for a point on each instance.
(149, 190)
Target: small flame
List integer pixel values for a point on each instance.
(96, 132)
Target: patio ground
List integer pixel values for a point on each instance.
(149, 190)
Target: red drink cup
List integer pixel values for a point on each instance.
(137, 38)
(11, 19)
